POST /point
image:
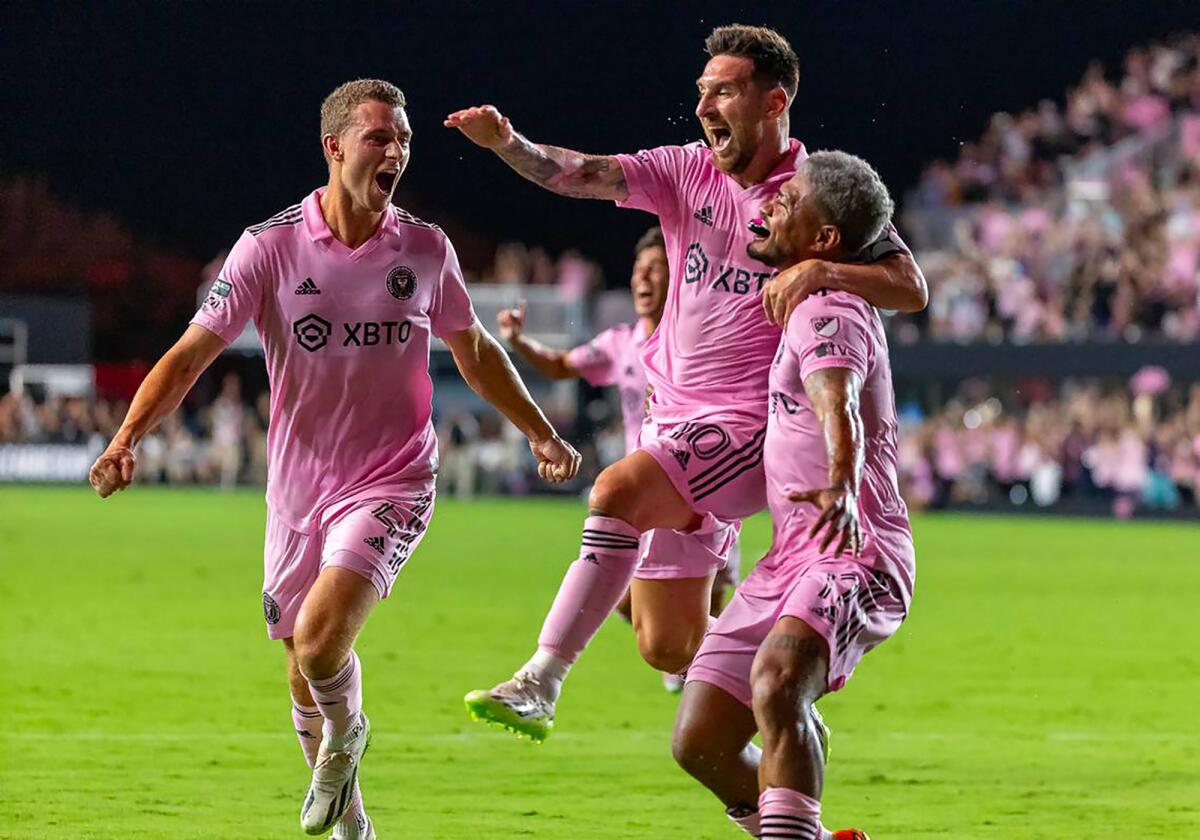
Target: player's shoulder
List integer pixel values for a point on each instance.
(688, 152)
(826, 311)
(408, 220)
(285, 221)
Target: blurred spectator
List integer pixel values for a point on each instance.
(1061, 225)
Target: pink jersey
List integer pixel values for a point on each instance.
(714, 346)
(346, 338)
(614, 357)
(835, 330)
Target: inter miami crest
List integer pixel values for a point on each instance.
(270, 609)
(401, 282)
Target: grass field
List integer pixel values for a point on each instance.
(1046, 685)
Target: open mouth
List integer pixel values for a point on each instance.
(759, 228)
(719, 137)
(644, 296)
(385, 181)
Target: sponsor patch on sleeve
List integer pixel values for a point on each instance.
(221, 288)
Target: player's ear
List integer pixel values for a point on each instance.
(777, 103)
(828, 240)
(332, 147)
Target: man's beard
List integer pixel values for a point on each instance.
(763, 254)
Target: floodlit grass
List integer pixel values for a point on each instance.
(1046, 684)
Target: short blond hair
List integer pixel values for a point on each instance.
(337, 111)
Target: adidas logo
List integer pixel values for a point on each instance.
(375, 542)
(704, 215)
(591, 558)
(682, 457)
(308, 287)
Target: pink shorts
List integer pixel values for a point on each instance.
(668, 555)
(851, 606)
(716, 463)
(373, 538)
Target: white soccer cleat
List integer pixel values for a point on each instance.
(336, 771)
(357, 827)
(673, 683)
(518, 705)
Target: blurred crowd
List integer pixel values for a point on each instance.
(1122, 448)
(1073, 222)
(1087, 443)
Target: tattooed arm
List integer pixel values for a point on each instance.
(833, 392)
(562, 171)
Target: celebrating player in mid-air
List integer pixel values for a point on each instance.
(699, 462)
(838, 580)
(614, 358)
(345, 291)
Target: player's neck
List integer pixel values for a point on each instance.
(775, 147)
(349, 224)
(650, 323)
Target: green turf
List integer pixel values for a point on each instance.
(1047, 685)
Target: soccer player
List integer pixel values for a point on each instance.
(614, 358)
(699, 462)
(838, 579)
(346, 292)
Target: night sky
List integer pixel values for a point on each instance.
(190, 121)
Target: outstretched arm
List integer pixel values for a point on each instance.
(550, 363)
(834, 393)
(159, 394)
(559, 170)
(487, 369)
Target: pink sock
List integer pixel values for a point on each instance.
(592, 587)
(340, 697)
(748, 823)
(790, 815)
(308, 721)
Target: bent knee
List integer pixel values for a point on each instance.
(668, 651)
(612, 494)
(317, 651)
(776, 688)
(689, 748)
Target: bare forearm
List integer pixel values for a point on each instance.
(895, 282)
(844, 447)
(564, 171)
(490, 373)
(547, 361)
(160, 393)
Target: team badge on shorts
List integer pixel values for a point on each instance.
(401, 282)
(270, 609)
(825, 327)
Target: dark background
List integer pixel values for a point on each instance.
(189, 121)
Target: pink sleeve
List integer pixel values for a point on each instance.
(831, 330)
(451, 310)
(654, 177)
(236, 295)
(596, 360)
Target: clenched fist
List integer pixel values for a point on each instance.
(113, 470)
(511, 322)
(557, 460)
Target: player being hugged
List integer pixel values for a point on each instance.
(346, 292)
(698, 466)
(614, 357)
(838, 578)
